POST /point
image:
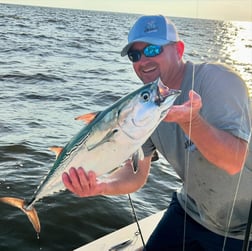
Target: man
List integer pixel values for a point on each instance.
(205, 137)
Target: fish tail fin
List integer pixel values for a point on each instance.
(31, 213)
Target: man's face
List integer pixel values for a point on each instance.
(163, 65)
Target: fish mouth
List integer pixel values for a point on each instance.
(163, 92)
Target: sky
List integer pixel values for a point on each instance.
(235, 10)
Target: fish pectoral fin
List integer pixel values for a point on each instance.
(87, 118)
(57, 150)
(138, 155)
(31, 213)
(155, 156)
(107, 138)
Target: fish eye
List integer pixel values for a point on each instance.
(145, 96)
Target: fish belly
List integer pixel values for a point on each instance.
(101, 159)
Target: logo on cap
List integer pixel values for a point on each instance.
(151, 27)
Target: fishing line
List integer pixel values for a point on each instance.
(235, 197)
(187, 165)
(231, 211)
(249, 223)
(188, 151)
(136, 220)
(188, 158)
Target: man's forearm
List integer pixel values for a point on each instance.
(218, 147)
(124, 180)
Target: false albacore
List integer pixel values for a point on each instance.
(109, 139)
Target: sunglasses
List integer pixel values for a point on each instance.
(148, 51)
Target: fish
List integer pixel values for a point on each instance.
(110, 138)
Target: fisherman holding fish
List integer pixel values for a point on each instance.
(205, 137)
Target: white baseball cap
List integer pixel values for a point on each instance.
(157, 30)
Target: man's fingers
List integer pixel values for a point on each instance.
(195, 99)
(67, 182)
(83, 180)
(92, 179)
(81, 183)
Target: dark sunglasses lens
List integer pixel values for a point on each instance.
(152, 50)
(134, 56)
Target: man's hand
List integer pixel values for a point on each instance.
(189, 111)
(81, 183)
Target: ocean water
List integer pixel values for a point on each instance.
(56, 64)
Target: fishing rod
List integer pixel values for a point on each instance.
(136, 220)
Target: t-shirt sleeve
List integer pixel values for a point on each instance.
(225, 101)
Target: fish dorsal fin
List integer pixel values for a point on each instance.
(57, 150)
(87, 118)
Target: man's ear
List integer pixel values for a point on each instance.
(180, 48)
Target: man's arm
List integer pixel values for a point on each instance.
(123, 181)
(219, 147)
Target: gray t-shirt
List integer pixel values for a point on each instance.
(211, 196)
